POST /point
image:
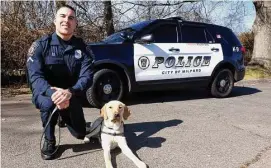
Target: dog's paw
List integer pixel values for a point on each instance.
(109, 165)
(142, 165)
(86, 140)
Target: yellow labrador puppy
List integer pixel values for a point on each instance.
(112, 132)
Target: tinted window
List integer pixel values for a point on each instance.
(229, 37)
(209, 37)
(165, 33)
(226, 36)
(139, 26)
(192, 34)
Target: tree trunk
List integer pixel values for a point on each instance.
(262, 31)
(108, 18)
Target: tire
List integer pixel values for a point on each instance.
(222, 83)
(107, 85)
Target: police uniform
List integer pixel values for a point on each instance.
(64, 64)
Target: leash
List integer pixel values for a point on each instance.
(49, 120)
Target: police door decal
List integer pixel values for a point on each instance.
(158, 61)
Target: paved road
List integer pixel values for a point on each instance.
(184, 129)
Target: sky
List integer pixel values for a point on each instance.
(249, 19)
(242, 11)
(238, 26)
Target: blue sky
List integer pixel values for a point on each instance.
(249, 19)
(238, 26)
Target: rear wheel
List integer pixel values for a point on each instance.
(107, 85)
(222, 84)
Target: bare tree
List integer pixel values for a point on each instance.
(226, 13)
(90, 16)
(108, 18)
(22, 22)
(262, 31)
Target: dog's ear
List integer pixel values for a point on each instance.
(126, 113)
(103, 112)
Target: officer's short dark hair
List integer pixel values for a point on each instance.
(67, 6)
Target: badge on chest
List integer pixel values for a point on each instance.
(78, 54)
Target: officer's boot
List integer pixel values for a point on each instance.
(48, 150)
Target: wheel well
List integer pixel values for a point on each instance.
(116, 68)
(223, 66)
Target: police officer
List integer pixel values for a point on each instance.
(59, 69)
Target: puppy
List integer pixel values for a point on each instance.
(112, 132)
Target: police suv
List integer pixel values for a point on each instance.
(166, 54)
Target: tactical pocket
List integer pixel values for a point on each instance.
(76, 66)
(78, 62)
(53, 60)
(56, 67)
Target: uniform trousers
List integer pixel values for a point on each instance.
(73, 116)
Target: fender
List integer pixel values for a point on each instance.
(117, 64)
(225, 64)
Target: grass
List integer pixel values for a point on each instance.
(257, 72)
(14, 90)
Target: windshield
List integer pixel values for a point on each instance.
(139, 26)
(116, 37)
(130, 31)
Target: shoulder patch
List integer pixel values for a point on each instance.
(32, 49)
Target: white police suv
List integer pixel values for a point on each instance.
(165, 54)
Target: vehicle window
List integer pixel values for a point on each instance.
(165, 33)
(229, 37)
(192, 34)
(209, 37)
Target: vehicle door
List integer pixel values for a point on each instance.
(155, 60)
(199, 52)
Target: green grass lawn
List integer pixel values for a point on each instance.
(256, 72)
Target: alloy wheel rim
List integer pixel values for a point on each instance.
(223, 82)
(107, 88)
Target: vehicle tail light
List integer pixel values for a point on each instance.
(243, 49)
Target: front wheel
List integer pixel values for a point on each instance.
(222, 84)
(107, 85)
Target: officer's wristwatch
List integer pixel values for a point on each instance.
(72, 91)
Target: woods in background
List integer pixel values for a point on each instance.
(22, 22)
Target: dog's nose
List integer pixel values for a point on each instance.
(117, 115)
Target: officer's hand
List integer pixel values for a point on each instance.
(61, 95)
(63, 105)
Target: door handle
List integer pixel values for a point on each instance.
(215, 49)
(174, 49)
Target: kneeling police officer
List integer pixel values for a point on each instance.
(59, 68)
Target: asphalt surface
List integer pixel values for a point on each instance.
(184, 129)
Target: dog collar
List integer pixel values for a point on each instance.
(113, 134)
(108, 127)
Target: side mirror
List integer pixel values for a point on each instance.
(145, 39)
(123, 35)
(126, 36)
